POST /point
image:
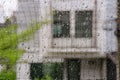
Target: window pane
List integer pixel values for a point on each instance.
(61, 24)
(54, 70)
(83, 23)
(45, 71)
(111, 70)
(74, 69)
(36, 71)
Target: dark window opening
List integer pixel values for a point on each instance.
(83, 28)
(73, 69)
(36, 71)
(44, 71)
(111, 70)
(61, 24)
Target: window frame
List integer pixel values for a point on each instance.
(41, 66)
(77, 12)
(53, 24)
(72, 31)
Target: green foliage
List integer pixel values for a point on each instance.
(8, 37)
(54, 70)
(9, 52)
(46, 77)
(8, 75)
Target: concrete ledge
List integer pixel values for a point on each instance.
(80, 50)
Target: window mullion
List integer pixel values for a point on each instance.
(72, 25)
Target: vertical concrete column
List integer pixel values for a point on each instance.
(117, 67)
(23, 71)
(104, 68)
(65, 72)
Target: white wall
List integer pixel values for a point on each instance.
(111, 15)
(37, 10)
(2, 14)
(23, 71)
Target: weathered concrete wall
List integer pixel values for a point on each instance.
(93, 69)
(30, 11)
(23, 71)
(40, 47)
(110, 24)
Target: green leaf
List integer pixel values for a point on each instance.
(8, 75)
(9, 51)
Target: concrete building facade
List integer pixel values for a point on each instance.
(81, 32)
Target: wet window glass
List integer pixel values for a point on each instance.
(73, 69)
(61, 24)
(46, 71)
(82, 42)
(36, 71)
(83, 28)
